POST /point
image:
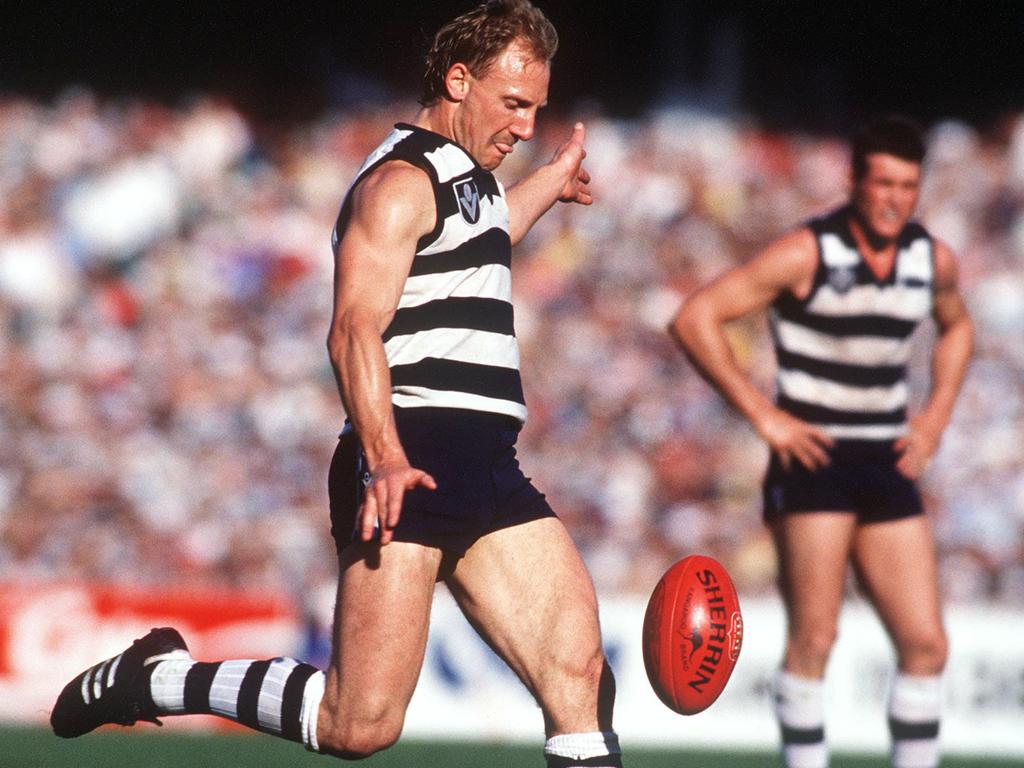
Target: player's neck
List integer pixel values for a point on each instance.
(438, 118)
(870, 242)
(878, 252)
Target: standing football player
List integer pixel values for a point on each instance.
(845, 292)
(425, 484)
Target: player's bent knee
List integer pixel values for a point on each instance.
(583, 678)
(583, 669)
(357, 743)
(355, 739)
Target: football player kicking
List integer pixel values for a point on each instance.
(425, 484)
(845, 293)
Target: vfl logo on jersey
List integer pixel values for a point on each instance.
(468, 197)
(841, 278)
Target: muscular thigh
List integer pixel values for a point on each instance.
(381, 621)
(813, 549)
(896, 564)
(528, 593)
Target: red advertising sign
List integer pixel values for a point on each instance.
(51, 632)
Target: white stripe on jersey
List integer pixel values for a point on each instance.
(897, 301)
(865, 431)
(840, 397)
(392, 138)
(225, 686)
(853, 350)
(449, 161)
(459, 344)
(456, 230)
(835, 253)
(915, 262)
(491, 281)
(413, 397)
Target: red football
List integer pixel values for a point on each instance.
(693, 631)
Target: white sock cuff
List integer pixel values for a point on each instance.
(789, 684)
(799, 701)
(311, 698)
(916, 698)
(582, 746)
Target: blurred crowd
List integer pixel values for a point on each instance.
(168, 411)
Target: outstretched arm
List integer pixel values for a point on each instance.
(391, 209)
(698, 327)
(950, 356)
(563, 179)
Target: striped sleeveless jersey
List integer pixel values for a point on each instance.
(843, 351)
(451, 343)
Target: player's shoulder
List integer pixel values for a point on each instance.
(788, 263)
(944, 259)
(942, 250)
(396, 191)
(794, 251)
(396, 179)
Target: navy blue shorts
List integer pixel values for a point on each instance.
(471, 455)
(862, 479)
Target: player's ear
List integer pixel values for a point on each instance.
(456, 82)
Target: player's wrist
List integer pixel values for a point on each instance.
(764, 419)
(382, 457)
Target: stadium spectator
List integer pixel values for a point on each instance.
(199, 353)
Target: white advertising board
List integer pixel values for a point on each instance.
(466, 692)
(49, 632)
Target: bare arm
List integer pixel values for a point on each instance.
(563, 179)
(950, 356)
(391, 209)
(787, 264)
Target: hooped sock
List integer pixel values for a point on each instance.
(915, 707)
(277, 696)
(800, 709)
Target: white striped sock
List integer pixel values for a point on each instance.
(915, 708)
(268, 709)
(800, 709)
(167, 685)
(225, 687)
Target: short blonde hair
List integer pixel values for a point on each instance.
(477, 37)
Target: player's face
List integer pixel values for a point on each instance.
(500, 108)
(885, 197)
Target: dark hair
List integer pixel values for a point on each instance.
(477, 37)
(891, 135)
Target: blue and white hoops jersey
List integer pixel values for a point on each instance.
(452, 343)
(843, 351)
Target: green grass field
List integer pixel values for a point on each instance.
(38, 748)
